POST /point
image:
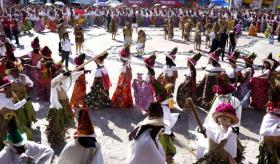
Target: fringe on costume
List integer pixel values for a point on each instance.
(59, 120)
(267, 157)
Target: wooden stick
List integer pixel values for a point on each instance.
(189, 101)
(90, 60)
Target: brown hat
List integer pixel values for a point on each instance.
(85, 128)
(269, 60)
(150, 61)
(79, 60)
(194, 59)
(35, 44)
(250, 59)
(225, 109)
(234, 56)
(155, 116)
(46, 52)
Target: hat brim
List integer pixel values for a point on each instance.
(22, 143)
(271, 62)
(189, 59)
(154, 122)
(212, 57)
(216, 115)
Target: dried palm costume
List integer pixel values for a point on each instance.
(113, 26)
(141, 40)
(170, 29)
(26, 114)
(7, 106)
(98, 96)
(60, 115)
(188, 87)
(122, 97)
(165, 27)
(170, 73)
(270, 127)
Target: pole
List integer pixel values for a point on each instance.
(189, 102)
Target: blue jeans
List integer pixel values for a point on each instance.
(271, 39)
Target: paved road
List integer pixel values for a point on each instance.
(114, 125)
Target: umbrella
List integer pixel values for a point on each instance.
(102, 4)
(113, 3)
(48, 4)
(156, 5)
(35, 2)
(134, 5)
(164, 7)
(59, 3)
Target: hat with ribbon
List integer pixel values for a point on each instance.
(269, 60)
(223, 87)
(225, 109)
(85, 127)
(35, 44)
(216, 54)
(234, 56)
(249, 59)
(14, 136)
(46, 52)
(194, 59)
(79, 60)
(125, 53)
(150, 61)
(155, 115)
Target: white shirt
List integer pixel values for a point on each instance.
(66, 45)
(7, 103)
(74, 153)
(100, 71)
(144, 151)
(20, 79)
(40, 153)
(231, 72)
(169, 70)
(270, 125)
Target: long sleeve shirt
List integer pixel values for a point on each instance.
(41, 154)
(6, 102)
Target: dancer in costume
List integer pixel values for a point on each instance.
(52, 23)
(270, 127)
(39, 25)
(188, 87)
(145, 146)
(127, 34)
(6, 106)
(79, 38)
(222, 137)
(205, 93)
(165, 28)
(44, 65)
(144, 92)
(84, 148)
(247, 74)
(170, 72)
(122, 97)
(60, 115)
(197, 36)
(253, 30)
(79, 91)
(26, 114)
(20, 150)
(260, 97)
(233, 72)
(98, 97)
(33, 72)
(141, 40)
(113, 27)
(208, 28)
(170, 29)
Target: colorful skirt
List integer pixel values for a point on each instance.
(185, 90)
(259, 96)
(143, 95)
(98, 97)
(79, 92)
(27, 26)
(59, 121)
(39, 26)
(122, 97)
(52, 26)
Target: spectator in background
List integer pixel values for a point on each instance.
(232, 41)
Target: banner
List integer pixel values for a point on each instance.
(146, 3)
(177, 3)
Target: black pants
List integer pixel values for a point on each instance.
(231, 48)
(278, 38)
(15, 33)
(65, 56)
(8, 33)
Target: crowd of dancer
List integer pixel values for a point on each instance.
(224, 92)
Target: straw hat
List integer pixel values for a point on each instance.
(225, 109)
(250, 59)
(155, 116)
(216, 54)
